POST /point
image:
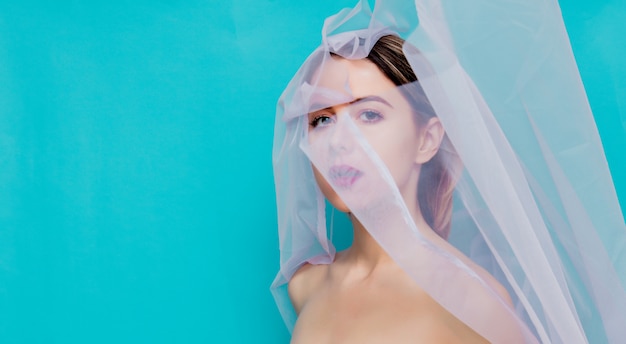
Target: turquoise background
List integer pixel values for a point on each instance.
(136, 188)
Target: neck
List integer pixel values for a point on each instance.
(365, 251)
(365, 254)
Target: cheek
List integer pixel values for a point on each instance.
(398, 152)
(400, 165)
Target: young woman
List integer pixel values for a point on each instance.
(363, 295)
(389, 132)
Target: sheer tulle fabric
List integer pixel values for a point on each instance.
(534, 203)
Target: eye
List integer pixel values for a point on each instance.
(321, 121)
(370, 116)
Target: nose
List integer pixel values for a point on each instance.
(340, 139)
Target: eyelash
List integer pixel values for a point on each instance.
(378, 117)
(316, 120)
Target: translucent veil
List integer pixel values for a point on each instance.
(534, 203)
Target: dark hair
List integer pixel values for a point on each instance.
(436, 183)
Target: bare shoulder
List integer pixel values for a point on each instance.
(491, 281)
(502, 292)
(509, 328)
(304, 283)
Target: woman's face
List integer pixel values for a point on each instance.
(383, 118)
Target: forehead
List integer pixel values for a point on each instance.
(354, 78)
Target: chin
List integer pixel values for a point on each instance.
(329, 193)
(338, 204)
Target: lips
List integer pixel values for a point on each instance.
(344, 176)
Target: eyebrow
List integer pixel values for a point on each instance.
(356, 101)
(371, 99)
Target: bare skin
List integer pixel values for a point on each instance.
(364, 297)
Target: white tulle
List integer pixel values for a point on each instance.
(535, 204)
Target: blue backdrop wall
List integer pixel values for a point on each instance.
(136, 189)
